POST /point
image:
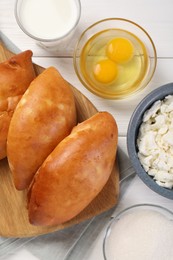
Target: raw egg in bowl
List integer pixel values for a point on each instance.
(114, 58)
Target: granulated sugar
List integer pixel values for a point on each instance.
(142, 235)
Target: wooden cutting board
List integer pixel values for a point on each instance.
(13, 211)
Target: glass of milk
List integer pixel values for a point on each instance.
(50, 22)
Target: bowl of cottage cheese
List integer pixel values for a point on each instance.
(150, 140)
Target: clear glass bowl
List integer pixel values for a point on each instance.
(137, 228)
(137, 34)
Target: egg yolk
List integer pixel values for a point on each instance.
(120, 50)
(105, 71)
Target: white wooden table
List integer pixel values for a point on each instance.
(153, 15)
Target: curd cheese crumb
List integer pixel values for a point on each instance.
(155, 142)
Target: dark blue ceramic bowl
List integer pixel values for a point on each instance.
(132, 134)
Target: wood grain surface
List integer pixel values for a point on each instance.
(13, 209)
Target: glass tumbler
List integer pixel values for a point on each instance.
(50, 22)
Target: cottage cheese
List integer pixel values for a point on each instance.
(155, 142)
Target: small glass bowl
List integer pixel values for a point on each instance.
(137, 34)
(131, 215)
